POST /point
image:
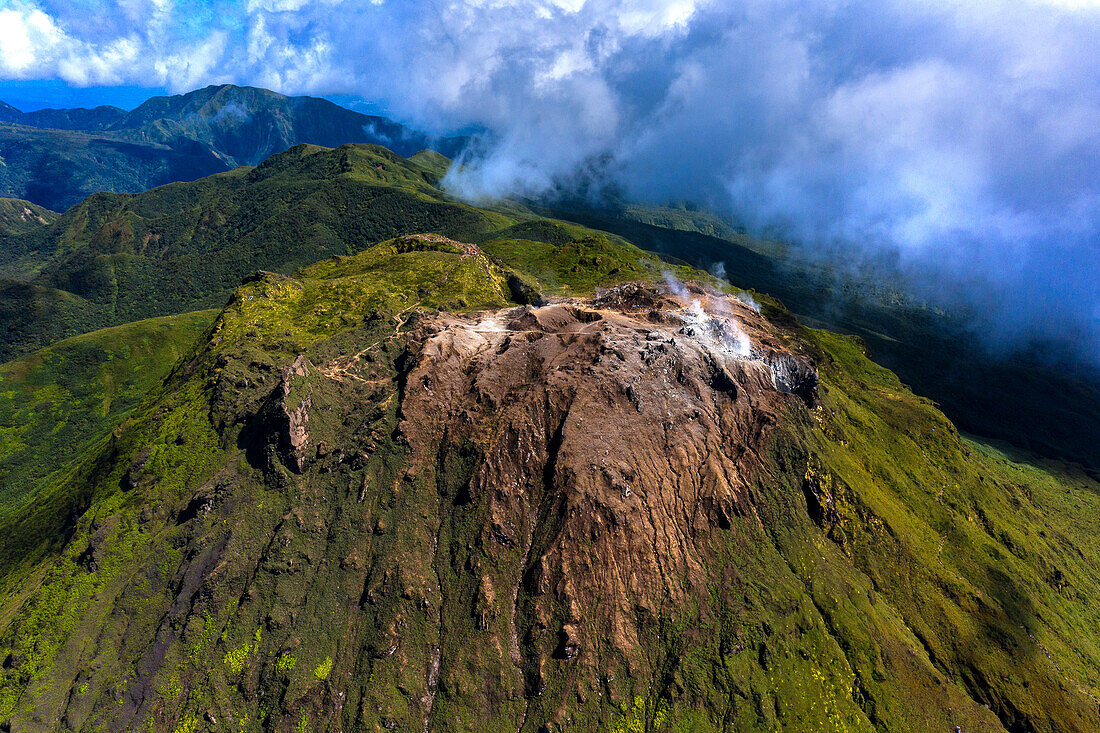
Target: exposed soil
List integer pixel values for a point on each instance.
(611, 434)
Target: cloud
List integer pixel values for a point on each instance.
(26, 36)
(959, 142)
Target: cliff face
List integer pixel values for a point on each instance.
(603, 442)
(644, 510)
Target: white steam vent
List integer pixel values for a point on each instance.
(724, 333)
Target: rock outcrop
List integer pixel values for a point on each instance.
(292, 403)
(610, 437)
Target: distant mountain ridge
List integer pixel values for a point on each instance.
(98, 118)
(57, 157)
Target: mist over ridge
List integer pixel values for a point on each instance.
(956, 149)
(957, 144)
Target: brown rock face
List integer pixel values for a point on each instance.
(610, 435)
(293, 401)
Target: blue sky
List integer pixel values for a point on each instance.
(958, 140)
(34, 94)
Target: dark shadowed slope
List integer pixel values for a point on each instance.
(247, 125)
(59, 168)
(98, 118)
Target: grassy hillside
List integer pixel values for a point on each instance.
(117, 257)
(56, 402)
(197, 570)
(987, 561)
(22, 217)
(33, 316)
(21, 225)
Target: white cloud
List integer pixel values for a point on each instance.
(277, 6)
(198, 65)
(27, 37)
(963, 138)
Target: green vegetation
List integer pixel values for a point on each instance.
(56, 158)
(433, 163)
(236, 659)
(968, 548)
(322, 670)
(22, 217)
(56, 402)
(117, 258)
(893, 575)
(22, 225)
(171, 559)
(58, 168)
(686, 219)
(575, 267)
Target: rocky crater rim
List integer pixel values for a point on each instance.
(607, 439)
(723, 327)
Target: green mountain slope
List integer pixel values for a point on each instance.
(21, 225)
(381, 496)
(56, 158)
(22, 217)
(56, 402)
(59, 168)
(118, 257)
